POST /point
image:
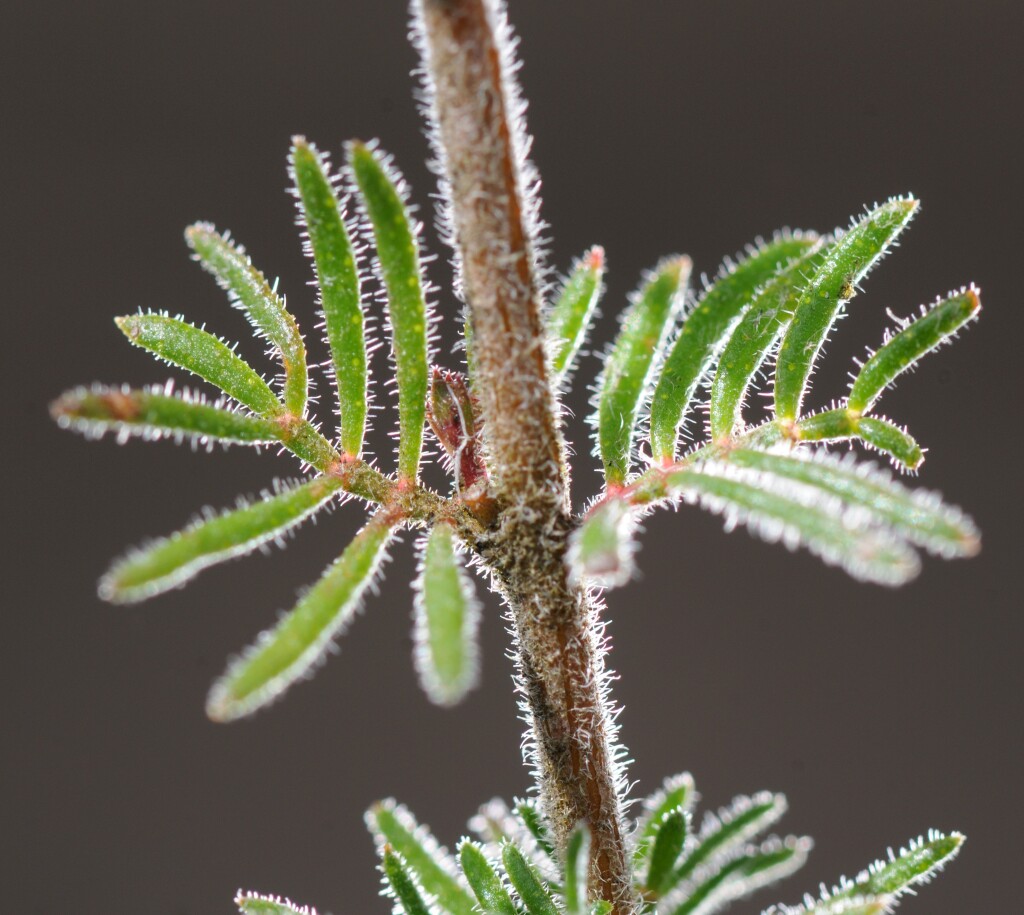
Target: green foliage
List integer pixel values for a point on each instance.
(447, 616)
(282, 655)
(573, 311)
(172, 561)
(394, 235)
(706, 327)
(634, 354)
(339, 282)
(761, 323)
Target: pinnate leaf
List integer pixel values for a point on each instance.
(705, 329)
(289, 650)
(338, 280)
(201, 353)
(631, 360)
(172, 561)
(447, 618)
(265, 309)
(394, 236)
(823, 297)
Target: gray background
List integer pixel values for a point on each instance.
(660, 127)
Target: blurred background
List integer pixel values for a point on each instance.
(659, 127)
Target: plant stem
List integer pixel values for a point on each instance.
(477, 130)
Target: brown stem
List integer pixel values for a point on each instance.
(559, 659)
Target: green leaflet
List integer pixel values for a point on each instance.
(203, 354)
(780, 510)
(920, 517)
(403, 887)
(601, 548)
(155, 412)
(821, 300)
(570, 318)
(892, 440)
(914, 865)
(527, 882)
(484, 881)
(283, 654)
(172, 561)
(630, 363)
(254, 904)
(840, 423)
(752, 340)
(265, 309)
(447, 617)
(706, 328)
(746, 817)
(668, 845)
(435, 870)
(742, 875)
(858, 906)
(577, 870)
(395, 238)
(677, 791)
(529, 813)
(338, 280)
(916, 338)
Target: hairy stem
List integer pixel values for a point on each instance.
(560, 660)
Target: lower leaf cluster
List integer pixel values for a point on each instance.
(511, 867)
